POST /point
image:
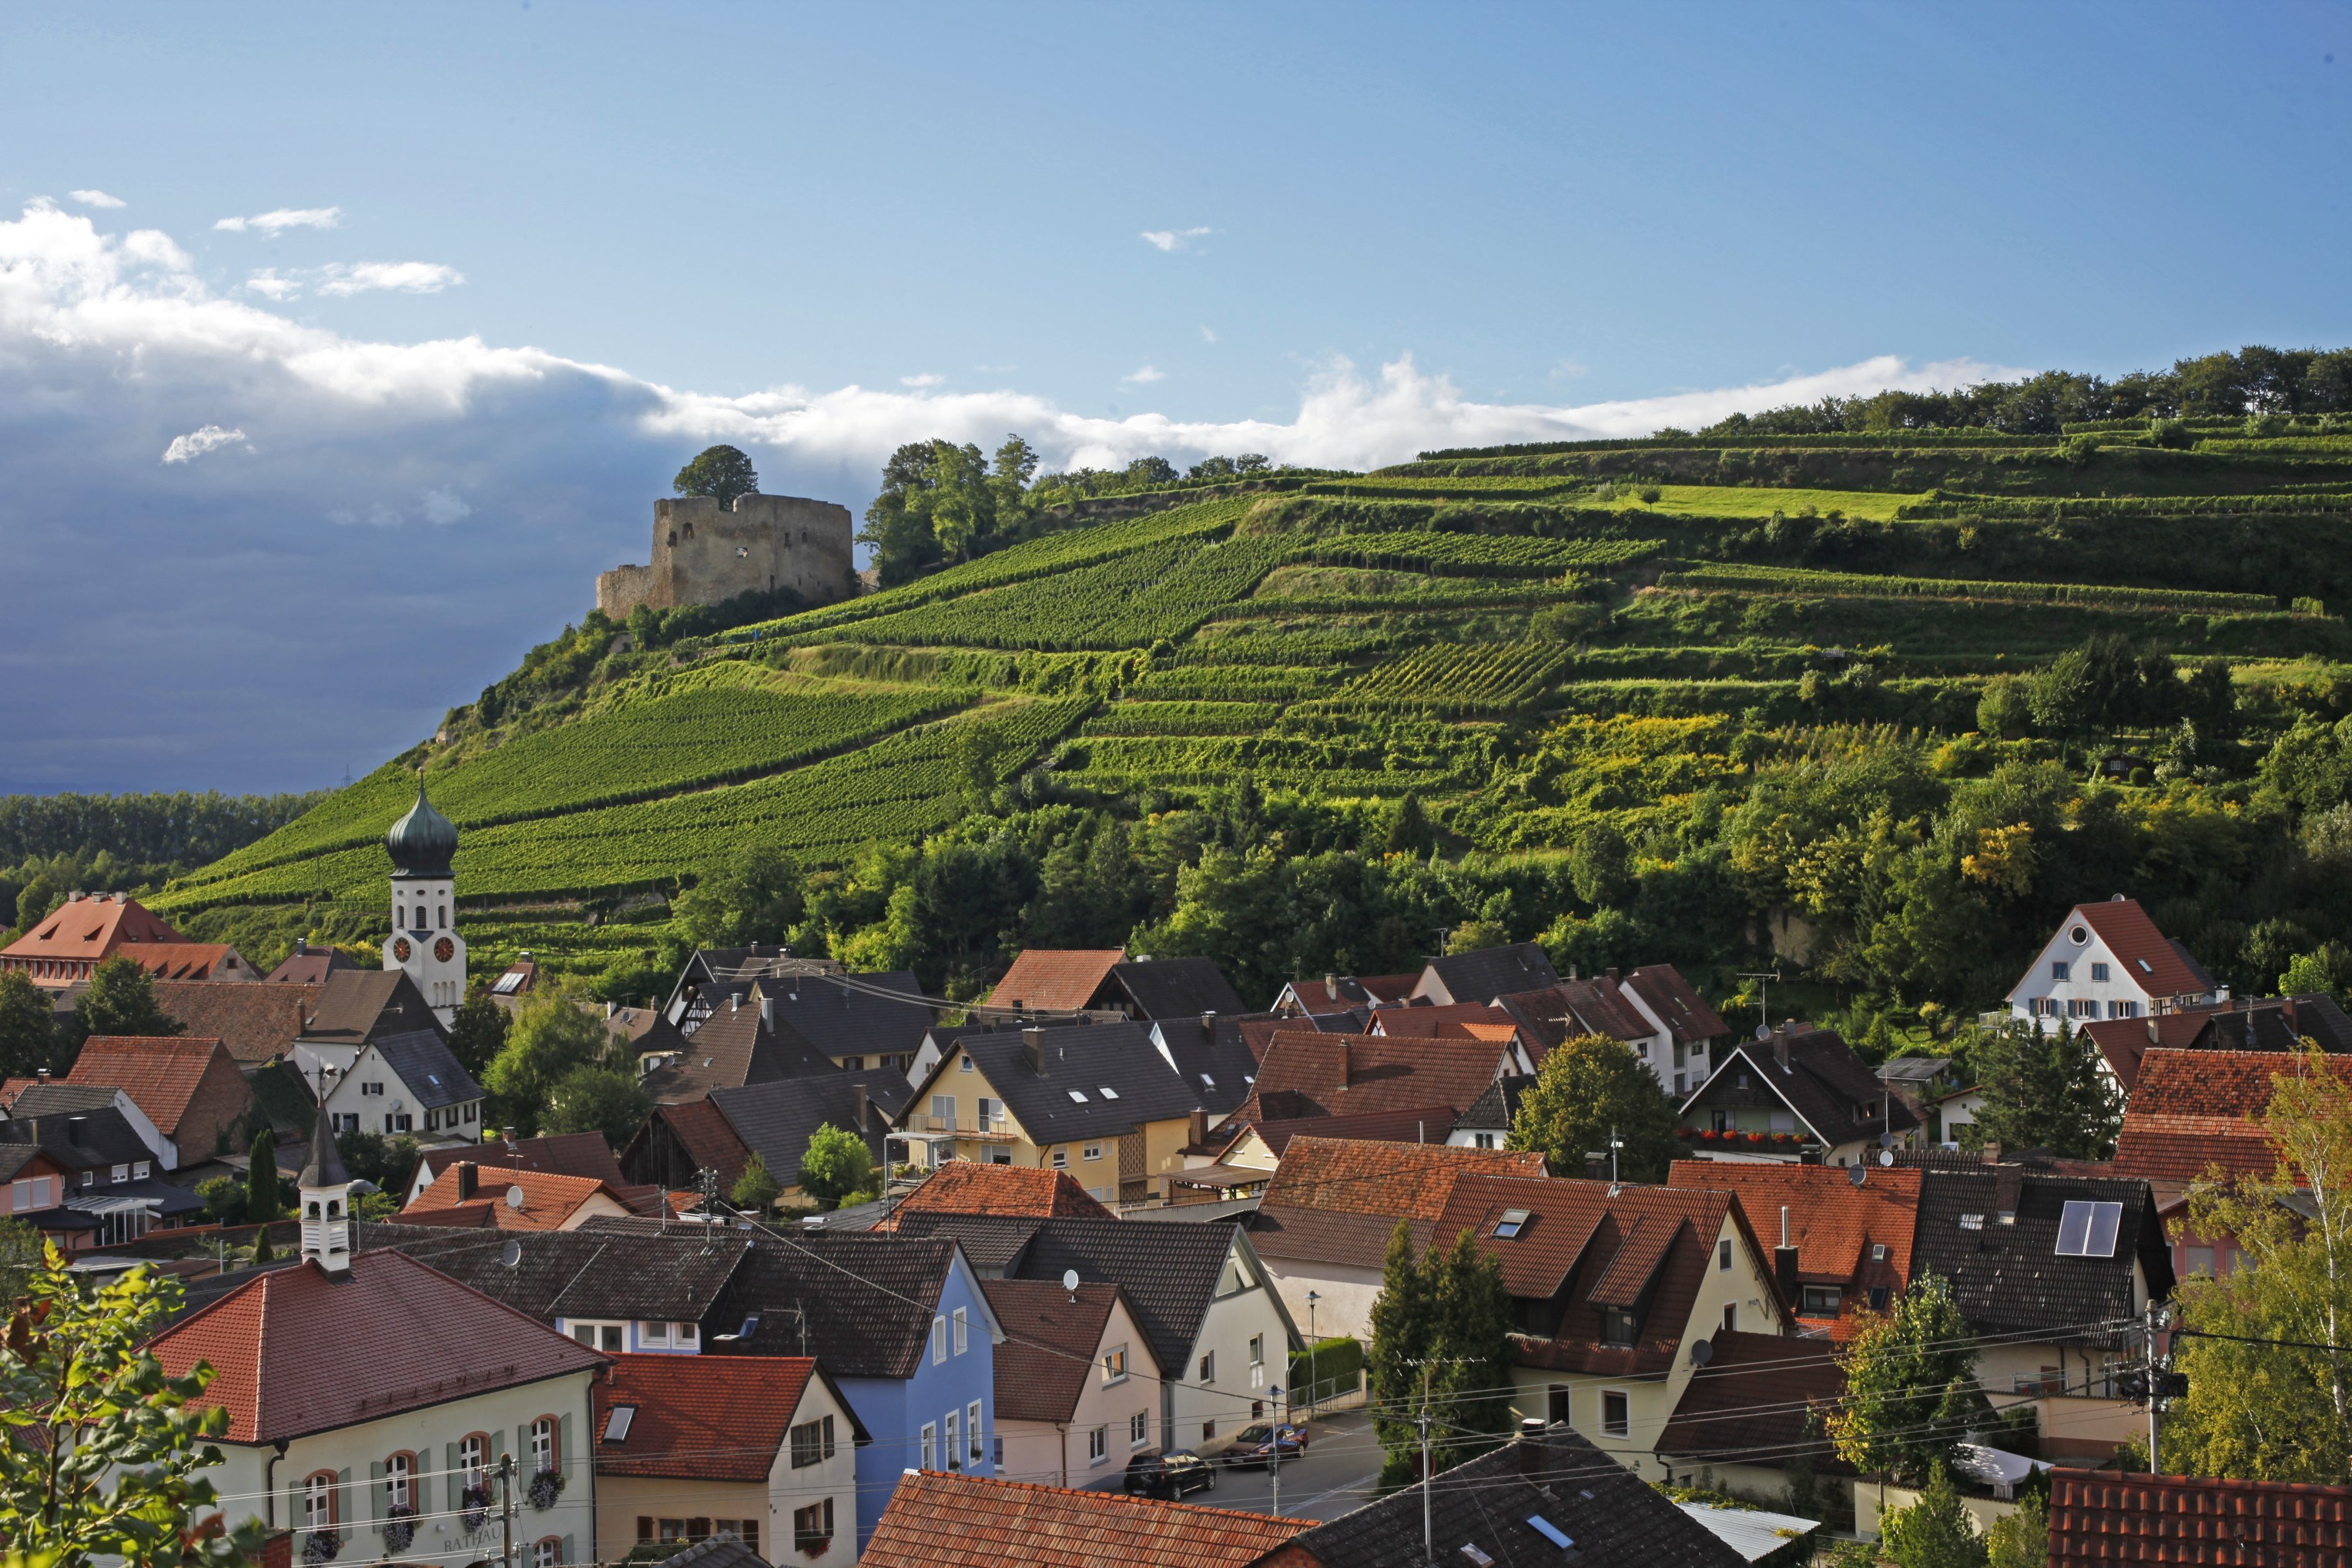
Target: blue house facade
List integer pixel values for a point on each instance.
(942, 1419)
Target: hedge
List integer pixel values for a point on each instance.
(1862, 585)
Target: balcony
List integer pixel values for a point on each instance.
(995, 1129)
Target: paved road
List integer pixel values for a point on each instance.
(1342, 1461)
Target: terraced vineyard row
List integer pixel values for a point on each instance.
(1865, 585)
(1496, 675)
(1480, 554)
(1183, 719)
(726, 723)
(1235, 682)
(902, 787)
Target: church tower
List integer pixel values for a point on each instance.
(425, 939)
(326, 1199)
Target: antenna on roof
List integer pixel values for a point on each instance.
(1070, 1282)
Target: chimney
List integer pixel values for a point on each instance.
(301, 945)
(1209, 1024)
(74, 1127)
(469, 1180)
(1784, 1261)
(1990, 1154)
(1199, 1130)
(1611, 972)
(865, 1115)
(1332, 983)
(1780, 1046)
(733, 1002)
(1033, 1046)
(610, 1008)
(1572, 972)
(44, 1072)
(1533, 1453)
(767, 1012)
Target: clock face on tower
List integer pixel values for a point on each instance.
(400, 950)
(445, 950)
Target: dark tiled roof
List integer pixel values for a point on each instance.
(992, 1244)
(356, 1004)
(1216, 1060)
(424, 1063)
(2099, 1519)
(1614, 1519)
(256, 1022)
(56, 1097)
(1489, 972)
(865, 1302)
(1550, 1014)
(776, 1119)
(940, 1521)
(1823, 1082)
(722, 1550)
(1177, 988)
(1055, 980)
(1082, 1059)
(840, 1021)
(1672, 998)
(2009, 1278)
(1499, 1106)
(577, 1273)
(285, 1098)
(295, 1351)
(1049, 1345)
(104, 1137)
(1169, 1273)
(730, 1049)
(1758, 1401)
(1346, 993)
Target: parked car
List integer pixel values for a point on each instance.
(1169, 1476)
(1259, 1443)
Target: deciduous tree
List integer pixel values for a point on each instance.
(553, 1036)
(1911, 1385)
(721, 472)
(756, 1189)
(27, 1025)
(1936, 1531)
(1587, 1086)
(596, 1098)
(121, 1001)
(837, 1165)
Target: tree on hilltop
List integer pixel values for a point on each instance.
(721, 472)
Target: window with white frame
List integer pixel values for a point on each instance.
(1114, 1364)
(1097, 1445)
(653, 1335)
(954, 1436)
(931, 1446)
(1257, 1350)
(318, 1501)
(2098, 974)
(972, 1435)
(473, 1459)
(962, 1331)
(1209, 1367)
(939, 1338)
(813, 1526)
(1139, 1429)
(400, 1480)
(963, 1063)
(2057, 969)
(1061, 1157)
(542, 1444)
(1723, 1255)
(546, 1551)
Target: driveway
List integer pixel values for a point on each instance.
(1342, 1461)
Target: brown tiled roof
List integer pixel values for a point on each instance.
(2194, 1110)
(561, 1153)
(1411, 1124)
(2123, 1041)
(296, 1353)
(2156, 966)
(309, 965)
(548, 1201)
(937, 1520)
(968, 1186)
(702, 1418)
(709, 1140)
(1689, 1017)
(1050, 1343)
(1401, 1023)
(92, 929)
(1308, 1074)
(1056, 980)
(1352, 991)
(1750, 1403)
(1832, 1224)
(730, 1049)
(2100, 1519)
(160, 1073)
(354, 1004)
(178, 959)
(1392, 1180)
(256, 1022)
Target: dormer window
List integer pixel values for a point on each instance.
(1617, 1327)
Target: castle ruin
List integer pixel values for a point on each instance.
(704, 552)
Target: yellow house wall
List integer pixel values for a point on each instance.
(621, 1499)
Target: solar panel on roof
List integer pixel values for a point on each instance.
(2087, 1230)
(1549, 1531)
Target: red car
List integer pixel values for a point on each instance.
(1260, 1444)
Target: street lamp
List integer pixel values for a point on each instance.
(1312, 1386)
(1273, 1463)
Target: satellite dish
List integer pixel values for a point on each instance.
(511, 1254)
(1886, 1156)
(1763, 1031)
(514, 1198)
(1857, 1174)
(1702, 1353)
(1070, 1280)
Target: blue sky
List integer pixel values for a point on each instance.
(518, 261)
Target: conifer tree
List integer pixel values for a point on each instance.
(262, 1198)
(1403, 1325)
(1936, 1531)
(1470, 1310)
(2045, 1090)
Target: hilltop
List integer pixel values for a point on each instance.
(1658, 699)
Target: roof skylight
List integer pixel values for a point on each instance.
(1510, 1224)
(1549, 1531)
(617, 1423)
(2088, 1229)
(1972, 1222)
(1208, 1081)
(1476, 1556)
(1108, 1093)
(1078, 1096)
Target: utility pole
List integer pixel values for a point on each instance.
(2154, 1386)
(506, 1510)
(1428, 1532)
(1274, 1463)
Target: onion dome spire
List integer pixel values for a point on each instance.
(424, 842)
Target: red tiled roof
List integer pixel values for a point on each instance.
(295, 1351)
(968, 1186)
(563, 1154)
(1411, 1124)
(2194, 1110)
(1404, 1022)
(1352, 991)
(548, 1201)
(256, 1022)
(179, 960)
(1308, 1074)
(1832, 1224)
(1390, 1180)
(2099, 1520)
(717, 1418)
(2154, 966)
(92, 929)
(937, 1520)
(160, 1073)
(1056, 980)
(1050, 1344)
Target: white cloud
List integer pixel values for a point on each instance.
(395, 277)
(112, 347)
(1143, 375)
(924, 381)
(97, 199)
(1166, 239)
(187, 448)
(442, 506)
(1207, 336)
(270, 284)
(281, 219)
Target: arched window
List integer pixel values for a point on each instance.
(546, 1551)
(318, 1501)
(400, 914)
(542, 1444)
(443, 913)
(400, 1480)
